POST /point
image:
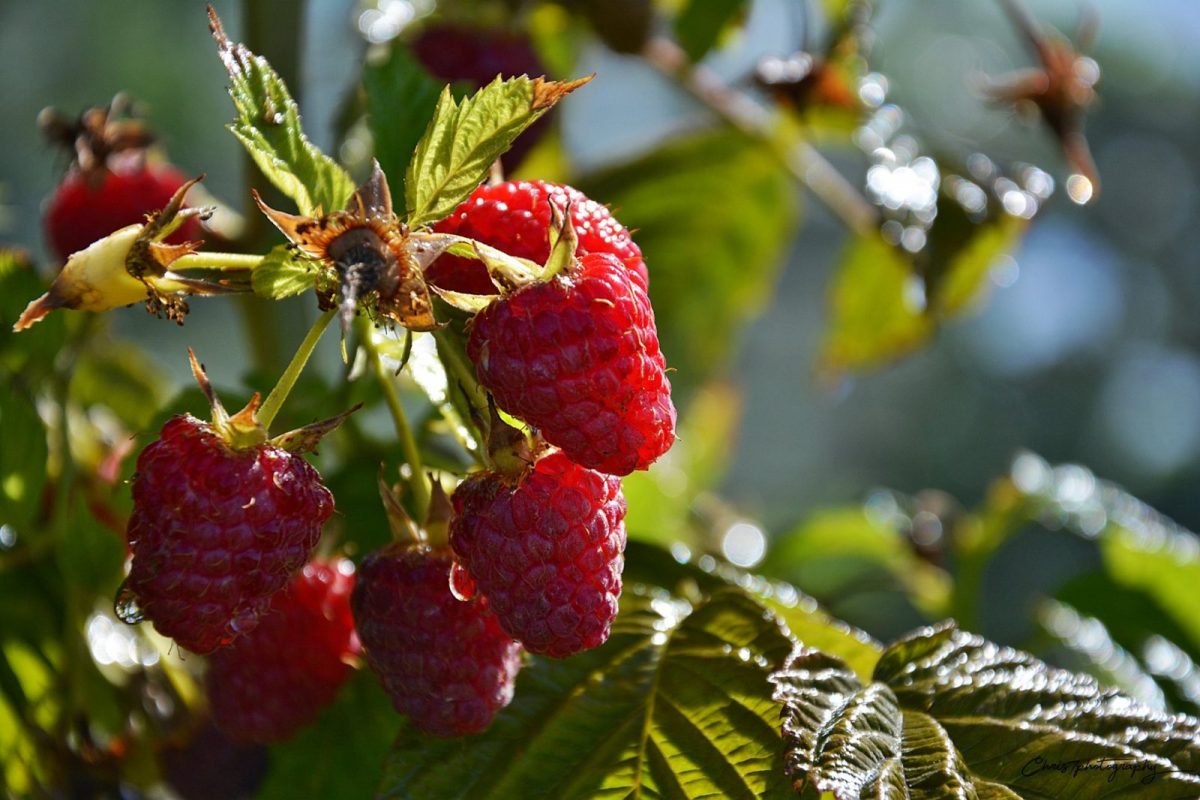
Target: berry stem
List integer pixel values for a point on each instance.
(216, 261)
(408, 443)
(460, 370)
(798, 156)
(275, 400)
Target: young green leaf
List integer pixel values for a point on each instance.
(676, 704)
(268, 126)
(282, 273)
(465, 137)
(949, 714)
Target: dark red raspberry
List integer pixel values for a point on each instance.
(216, 531)
(546, 550)
(515, 217)
(446, 662)
(273, 681)
(577, 357)
(83, 211)
(475, 56)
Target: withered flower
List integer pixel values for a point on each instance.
(367, 246)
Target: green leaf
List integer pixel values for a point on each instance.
(120, 376)
(339, 754)
(952, 715)
(679, 574)
(268, 126)
(23, 453)
(961, 254)
(28, 356)
(701, 22)
(837, 547)
(283, 273)
(712, 213)
(675, 704)
(876, 309)
(465, 137)
(401, 98)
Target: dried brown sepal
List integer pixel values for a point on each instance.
(368, 247)
(97, 135)
(1062, 88)
(306, 438)
(547, 93)
(404, 530)
(240, 431)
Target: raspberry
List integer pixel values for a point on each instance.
(445, 662)
(546, 551)
(515, 217)
(455, 53)
(577, 357)
(216, 531)
(273, 681)
(82, 212)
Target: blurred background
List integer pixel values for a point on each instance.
(1077, 339)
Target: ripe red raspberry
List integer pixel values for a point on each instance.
(546, 550)
(216, 531)
(515, 217)
(577, 357)
(456, 53)
(83, 211)
(445, 662)
(273, 681)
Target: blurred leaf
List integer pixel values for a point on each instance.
(464, 138)
(876, 309)
(27, 356)
(680, 575)
(712, 213)
(837, 547)
(283, 273)
(701, 22)
(268, 126)
(23, 453)
(675, 704)
(952, 715)
(623, 25)
(961, 253)
(90, 558)
(119, 376)
(339, 754)
(401, 97)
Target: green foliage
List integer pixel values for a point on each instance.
(268, 126)
(712, 213)
(701, 22)
(676, 704)
(465, 137)
(950, 714)
(401, 99)
(876, 309)
(283, 273)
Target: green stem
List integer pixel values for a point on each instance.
(460, 370)
(408, 443)
(216, 261)
(274, 401)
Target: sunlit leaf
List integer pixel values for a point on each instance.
(464, 138)
(676, 704)
(680, 574)
(712, 264)
(268, 126)
(283, 273)
(952, 715)
(876, 309)
(961, 256)
(701, 22)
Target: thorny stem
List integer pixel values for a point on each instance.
(274, 401)
(216, 261)
(408, 443)
(798, 156)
